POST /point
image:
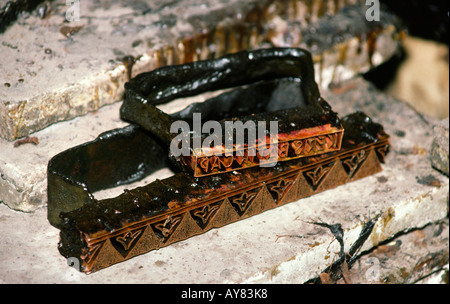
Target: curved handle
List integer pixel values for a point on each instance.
(168, 83)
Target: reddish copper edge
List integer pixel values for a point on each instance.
(302, 143)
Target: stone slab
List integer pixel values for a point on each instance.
(277, 246)
(55, 70)
(440, 146)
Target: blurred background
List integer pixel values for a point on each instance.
(419, 74)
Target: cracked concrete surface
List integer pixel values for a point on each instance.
(414, 257)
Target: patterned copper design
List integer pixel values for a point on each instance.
(296, 148)
(165, 228)
(208, 215)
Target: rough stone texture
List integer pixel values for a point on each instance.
(440, 146)
(53, 70)
(408, 259)
(277, 246)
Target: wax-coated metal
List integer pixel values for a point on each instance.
(306, 123)
(13, 8)
(102, 233)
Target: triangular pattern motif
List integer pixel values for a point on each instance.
(279, 188)
(93, 252)
(352, 163)
(105, 254)
(316, 176)
(335, 176)
(291, 193)
(146, 240)
(304, 189)
(369, 166)
(224, 215)
(242, 201)
(381, 152)
(185, 228)
(262, 201)
(204, 214)
(164, 229)
(125, 242)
